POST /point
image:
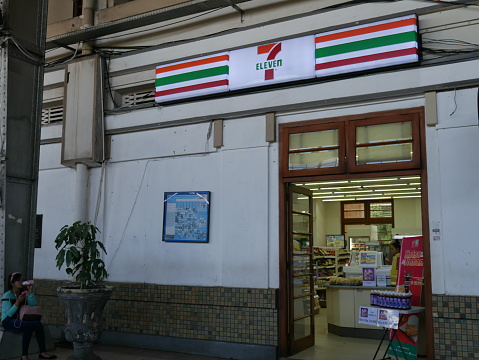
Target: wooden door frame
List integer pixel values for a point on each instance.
(307, 341)
(283, 320)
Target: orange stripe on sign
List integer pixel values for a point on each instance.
(365, 30)
(192, 63)
(264, 49)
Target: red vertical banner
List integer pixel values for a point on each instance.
(410, 279)
(411, 268)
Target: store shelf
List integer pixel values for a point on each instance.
(328, 262)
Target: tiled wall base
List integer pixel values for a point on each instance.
(456, 327)
(234, 316)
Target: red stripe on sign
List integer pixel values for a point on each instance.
(274, 52)
(193, 63)
(362, 59)
(264, 49)
(365, 30)
(191, 88)
(269, 74)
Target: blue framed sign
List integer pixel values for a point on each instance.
(186, 216)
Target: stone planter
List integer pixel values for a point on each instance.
(83, 313)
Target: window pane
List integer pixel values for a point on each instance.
(301, 243)
(384, 154)
(313, 160)
(381, 210)
(384, 232)
(385, 132)
(300, 223)
(300, 203)
(301, 265)
(354, 211)
(355, 206)
(313, 140)
(302, 327)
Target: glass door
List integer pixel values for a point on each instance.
(300, 269)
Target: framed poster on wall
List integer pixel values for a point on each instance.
(186, 216)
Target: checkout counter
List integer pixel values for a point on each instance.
(345, 296)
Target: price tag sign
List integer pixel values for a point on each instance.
(368, 315)
(388, 318)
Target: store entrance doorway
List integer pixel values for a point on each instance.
(300, 269)
(329, 221)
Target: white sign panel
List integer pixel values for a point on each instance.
(388, 318)
(368, 315)
(277, 62)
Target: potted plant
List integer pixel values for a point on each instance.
(80, 251)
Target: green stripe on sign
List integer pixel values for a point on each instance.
(367, 44)
(194, 75)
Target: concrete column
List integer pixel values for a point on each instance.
(81, 193)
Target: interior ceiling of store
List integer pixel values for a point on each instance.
(366, 189)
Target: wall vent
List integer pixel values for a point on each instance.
(139, 98)
(52, 115)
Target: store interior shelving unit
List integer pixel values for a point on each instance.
(328, 262)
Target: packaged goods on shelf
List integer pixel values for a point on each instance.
(391, 299)
(352, 281)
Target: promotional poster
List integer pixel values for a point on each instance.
(410, 279)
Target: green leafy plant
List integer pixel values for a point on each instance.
(80, 252)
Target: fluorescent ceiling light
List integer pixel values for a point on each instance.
(403, 189)
(374, 198)
(336, 199)
(386, 185)
(340, 187)
(353, 191)
(404, 197)
(373, 180)
(405, 193)
(409, 178)
(330, 182)
(323, 193)
(328, 197)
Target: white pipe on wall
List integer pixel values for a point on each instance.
(88, 13)
(81, 193)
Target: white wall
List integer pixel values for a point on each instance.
(408, 214)
(242, 249)
(453, 167)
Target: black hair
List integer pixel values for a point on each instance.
(15, 276)
(396, 243)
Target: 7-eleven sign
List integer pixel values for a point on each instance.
(277, 62)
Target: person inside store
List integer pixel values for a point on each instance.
(17, 295)
(394, 250)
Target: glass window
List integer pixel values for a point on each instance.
(381, 210)
(383, 154)
(313, 140)
(313, 150)
(384, 143)
(313, 160)
(370, 212)
(354, 211)
(384, 232)
(400, 131)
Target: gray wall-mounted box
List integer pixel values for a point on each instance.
(82, 140)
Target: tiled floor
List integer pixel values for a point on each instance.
(107, 352)
(327, 347)
(332, 347)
